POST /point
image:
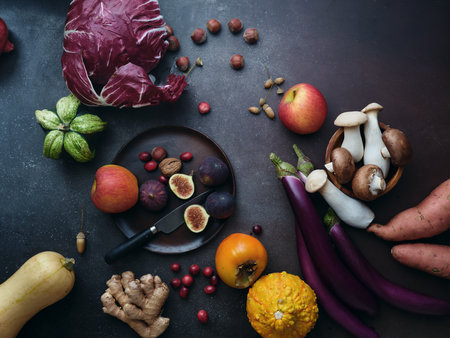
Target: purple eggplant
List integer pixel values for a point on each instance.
(332, 269)
(332, 305)
(390, 292)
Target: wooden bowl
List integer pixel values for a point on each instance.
(335, 142)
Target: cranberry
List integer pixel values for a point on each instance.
(194, 269)
(145, 156)
(208, 272)
(175, 267)
(202, 316)
(184, 292)
(150, 166)
(257, 229)
(176, 283)
(214, 280)
(163, 179)
(210, 289)
(187, 280)
(203, 107)
(186, 156)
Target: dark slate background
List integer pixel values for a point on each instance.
(392, 52)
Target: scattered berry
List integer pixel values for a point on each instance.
(176, 283)
(150, 166)
(198, 36)
(145, 156)
(174, 44)
(194, 269)
(187, 280)
(213, 25)
(210, 289)
(182, 63)
(235, 25)
(163, 179)
(186, 156)
(175, 267)
(214, 280)
(202, 316)
(208, 272)
(203, 107)
(257, 229)
(184, 292)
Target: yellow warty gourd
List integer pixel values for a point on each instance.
(41, 281)
(282, 305)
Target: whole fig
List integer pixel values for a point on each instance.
(213, 171)
(153, 195)
(220, 205)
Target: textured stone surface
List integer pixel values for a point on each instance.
(354, 52)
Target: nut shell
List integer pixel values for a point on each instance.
(170, 166)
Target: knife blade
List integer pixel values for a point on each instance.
(166, 225)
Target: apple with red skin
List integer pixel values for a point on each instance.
(303, 109)
(115, 189)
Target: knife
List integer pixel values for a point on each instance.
(166, 225)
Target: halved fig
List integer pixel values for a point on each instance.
(182, 185)
(196, 218)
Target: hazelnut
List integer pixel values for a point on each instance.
(235, 25)
(169, 30)
(182, 63)
(237, 61)
(159, 153)
(213, 26)
(170, 166)
(198, 36)
(174, 44)
(251, 35)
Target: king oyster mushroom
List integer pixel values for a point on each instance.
(349, 210)
(342, 165)
(368, 182)
(398, 148)
(351, 121)
(374, 142)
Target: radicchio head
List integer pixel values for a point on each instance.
(115, 44)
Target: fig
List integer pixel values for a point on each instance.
(220, 205)
(213, 171)
(182, 185)
(196, 218)
(153, 195)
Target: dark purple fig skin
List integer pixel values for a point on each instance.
(220, 205)
(212, 171)
(153, 195)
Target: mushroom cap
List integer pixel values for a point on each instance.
(316, 180)
(350, 119)
(398, 145)
(372, 106)
(363, 182)
(343, 165)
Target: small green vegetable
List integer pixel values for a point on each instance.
(66, 129)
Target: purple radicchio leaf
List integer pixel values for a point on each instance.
(116, 44)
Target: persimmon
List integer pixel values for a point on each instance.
(240, 260)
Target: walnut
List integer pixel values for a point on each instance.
(170, 166)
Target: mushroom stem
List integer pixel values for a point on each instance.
(329, 167)
(374, 141)
(385, 152)
(353, 142)
(376, 185)
(349, 210)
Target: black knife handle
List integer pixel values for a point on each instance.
(130, 244)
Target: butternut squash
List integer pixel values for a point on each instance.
(41, 281)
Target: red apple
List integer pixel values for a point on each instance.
(115, 189)
(303, 109)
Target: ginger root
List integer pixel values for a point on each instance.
(137, 302)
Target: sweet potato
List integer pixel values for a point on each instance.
(429, 218)
(431, 258)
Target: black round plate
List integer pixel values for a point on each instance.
(176, 140)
